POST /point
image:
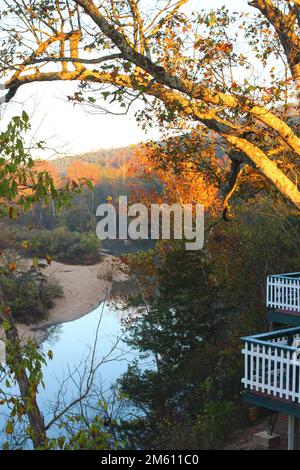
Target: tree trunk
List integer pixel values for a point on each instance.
(28, 396)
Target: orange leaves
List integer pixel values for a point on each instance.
(44, 165)
(209, 46)
(178, 165)
(224, 47)
(79, 170)
(12, 266)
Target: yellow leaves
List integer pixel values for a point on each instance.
(109, 198)
(212, 19)
(48, 259)
(12, 266)
(25, 244)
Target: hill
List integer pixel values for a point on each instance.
(110, 158)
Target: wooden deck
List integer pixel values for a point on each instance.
(284, 317)
(279, 405)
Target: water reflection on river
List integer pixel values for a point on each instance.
(72, 344)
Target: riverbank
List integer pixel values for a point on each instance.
(84, 288)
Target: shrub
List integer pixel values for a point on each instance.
(64, 245)
(215, 424)
(87, 248)
(30, 295)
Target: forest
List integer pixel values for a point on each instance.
(221, 87)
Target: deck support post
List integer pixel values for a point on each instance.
(293, 433)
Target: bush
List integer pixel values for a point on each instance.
(87, 248)
(30, 295)
(64, 245)
(215, 424)
(7, 237)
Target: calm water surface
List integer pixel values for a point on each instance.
(72, 344)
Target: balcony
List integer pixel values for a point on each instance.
(283, 291)
(283, 298)
(272, 370)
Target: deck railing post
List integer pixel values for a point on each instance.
(293, 433)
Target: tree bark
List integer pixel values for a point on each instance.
(28, 396)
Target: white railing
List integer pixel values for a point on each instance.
(283, 291)
(272, 364)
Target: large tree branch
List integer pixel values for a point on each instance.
(284, 26)
(235, 171)
(161, 84)
(161, 76)
(97, 60)
(186, 107)
(185, 86)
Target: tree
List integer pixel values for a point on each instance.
(174, 162)
(79, 170)
(194, 307)
(22, 184)
(45, 165)
(188, 69)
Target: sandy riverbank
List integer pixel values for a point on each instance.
(83, 292)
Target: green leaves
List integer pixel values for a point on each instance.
(21, 182)
(25, 117)
(5, 325)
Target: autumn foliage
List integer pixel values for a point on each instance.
(46, 166)
(82, 170)
(183, 173)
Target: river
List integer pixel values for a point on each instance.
(97, 334)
